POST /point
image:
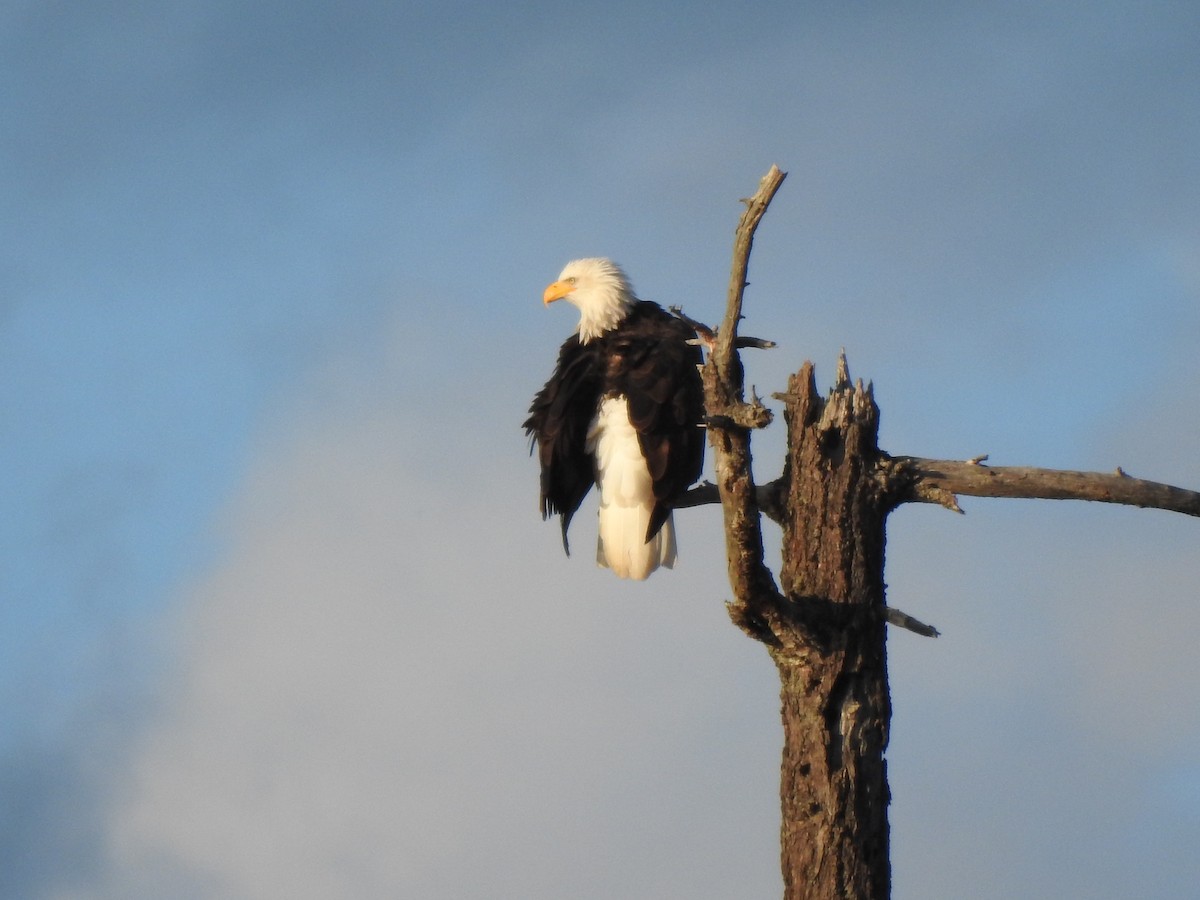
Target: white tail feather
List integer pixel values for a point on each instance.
(626, 497)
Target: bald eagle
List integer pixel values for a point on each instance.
(621, 411)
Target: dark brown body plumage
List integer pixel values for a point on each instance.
(646, 359)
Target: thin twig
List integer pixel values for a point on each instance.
(893, 616)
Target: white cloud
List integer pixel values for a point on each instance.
(381, 693)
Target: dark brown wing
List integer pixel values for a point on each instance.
(650, 362)
(558, 422)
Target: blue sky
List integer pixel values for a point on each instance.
(280, 619)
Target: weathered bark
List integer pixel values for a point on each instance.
(825, 629)
(832, 657)
(939, 480)
(730, 419)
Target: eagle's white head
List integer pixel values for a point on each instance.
(599, 289)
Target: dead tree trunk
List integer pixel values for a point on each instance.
(825, 627)
(832, 655)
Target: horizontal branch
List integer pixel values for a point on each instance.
(768, 496)
(938, 480)
(740, 415)
(753, 343)
(893, 616)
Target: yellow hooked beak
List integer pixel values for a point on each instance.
(557, 291)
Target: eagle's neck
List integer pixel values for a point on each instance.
(602, 310)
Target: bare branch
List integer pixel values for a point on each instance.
(707, 338)
(701, 494)
(933, 480)
(753, 343)
(767, 496)
(741, 415)
(893, 616)
(756, 206)
(729, 421)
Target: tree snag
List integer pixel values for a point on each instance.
(831, 651)
(824, 626)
